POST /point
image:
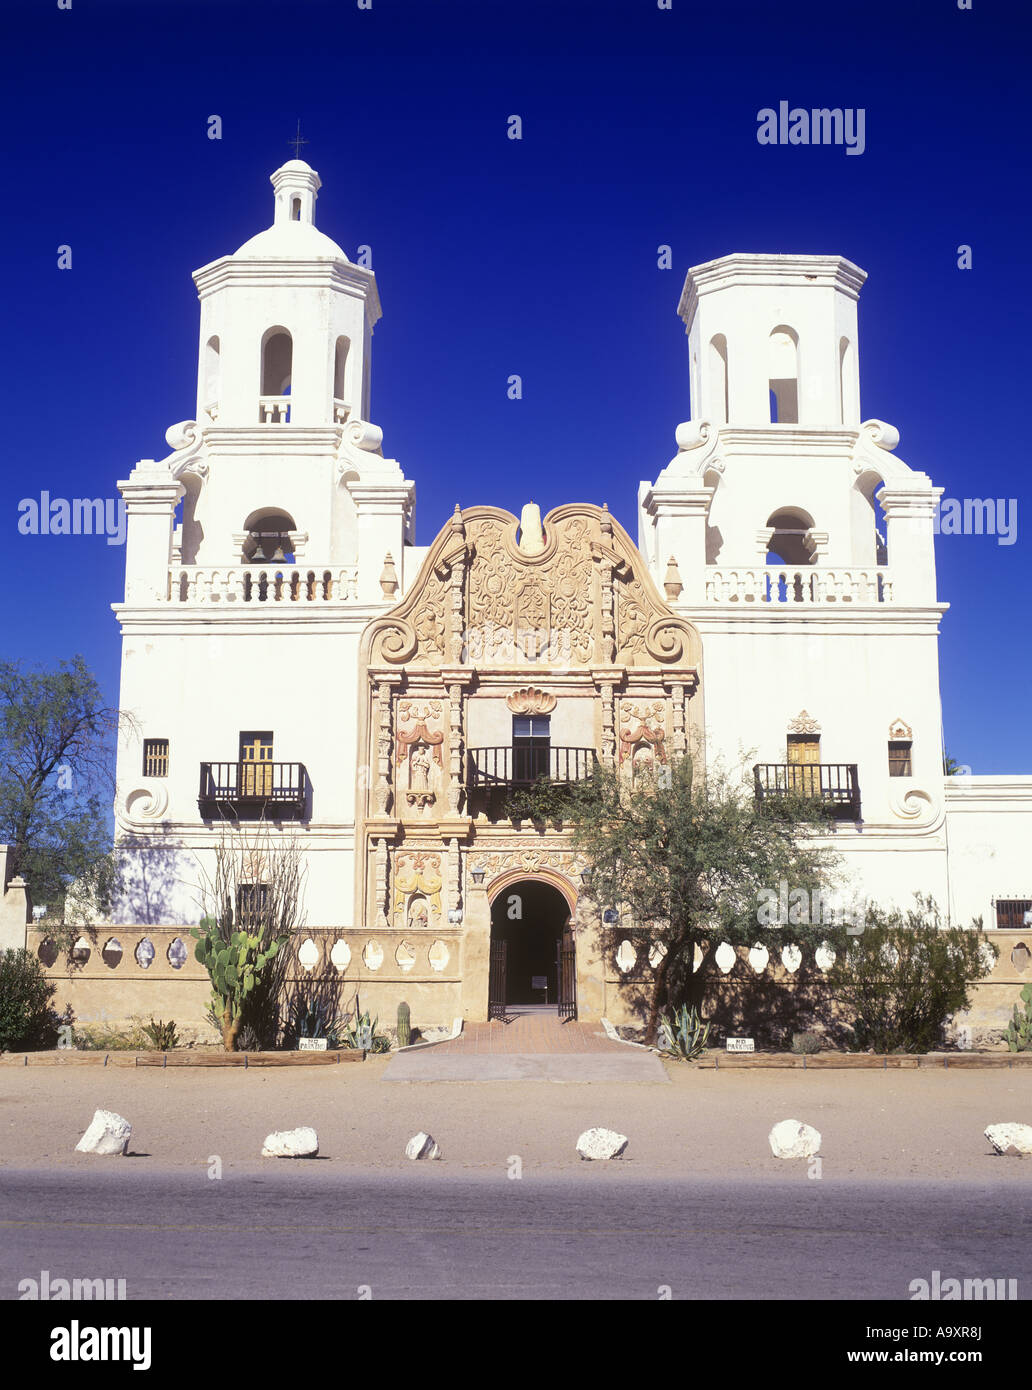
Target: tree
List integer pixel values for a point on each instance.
(26, 1017)
(690, 858)
(57, 754)
(252, 907)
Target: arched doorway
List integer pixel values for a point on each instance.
(531, 948)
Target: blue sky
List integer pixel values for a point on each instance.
(535, 257)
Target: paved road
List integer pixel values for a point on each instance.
(307, 1230)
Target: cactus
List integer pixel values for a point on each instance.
(234, 966)
(404, 1025)
(1019, 1031)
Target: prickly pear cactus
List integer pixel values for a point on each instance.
(1019, 1031)
(404, 1025)
(234, 967)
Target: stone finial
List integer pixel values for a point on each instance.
(532, 536)
(672, 581)
(389, 577)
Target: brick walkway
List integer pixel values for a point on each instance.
(529, 1033)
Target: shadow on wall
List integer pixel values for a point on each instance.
(151, 878)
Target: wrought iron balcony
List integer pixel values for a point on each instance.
(253, 790)
(521, 767)
(836, 785)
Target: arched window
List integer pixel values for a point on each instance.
(789, 544)
(277, 356)
(268, 539)
(783, 375)
(718, 378)
(295, 209)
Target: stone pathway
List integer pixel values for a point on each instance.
(531, 1046)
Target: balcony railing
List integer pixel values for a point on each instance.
(790, 584)
(268, 583)
(274, 410)
(521, 767)
(836, 785)
(252, 790)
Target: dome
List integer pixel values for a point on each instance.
(291, 241)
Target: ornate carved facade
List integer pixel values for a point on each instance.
(505, 621)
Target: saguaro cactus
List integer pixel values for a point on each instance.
(404, 1025)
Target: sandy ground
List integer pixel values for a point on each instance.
(903, 1124)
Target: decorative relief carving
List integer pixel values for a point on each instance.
(584, 598)
(643, 733)
(531, 701)
(899, 731)
(803, 723)
(419, 748)
(417, 889)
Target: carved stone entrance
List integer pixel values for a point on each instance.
(528, 918)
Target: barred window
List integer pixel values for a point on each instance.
(1011, 913)
(899, 758)
(252, 902)
(155, 757)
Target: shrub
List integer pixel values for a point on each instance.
(905, 976)
(1018, 1036)
(806, 1042)
(26, 1017)
(102, 1037)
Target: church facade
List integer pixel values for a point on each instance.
(291, 656)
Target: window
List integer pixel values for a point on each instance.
(252, 903)
(155, 757)
(899, 758)
(531, 742)
(255, 765)
(1011, 913)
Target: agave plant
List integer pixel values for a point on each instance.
(683, 1034)
(360, 1032)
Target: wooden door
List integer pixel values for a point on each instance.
(255, 766)
(804, 756)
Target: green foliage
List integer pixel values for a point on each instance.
(404, 1025)
(313, 1018)
(806, 1043)
(234, 965)
(27, 1020)
(684, 854)
(683, 1034)
(1019, 1031)
(57, 743)
(252, 906)
(906, 975)
(162, 1035)
(360, 1026)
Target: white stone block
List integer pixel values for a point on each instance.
(422, 1145)
(291, 1143)
(1011, 1138)
(793, 1139)
(108, 1134)
(601, 1144)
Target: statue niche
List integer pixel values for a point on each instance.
(419, 757)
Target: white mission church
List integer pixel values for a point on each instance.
(291, 654)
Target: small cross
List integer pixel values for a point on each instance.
(297, 142)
